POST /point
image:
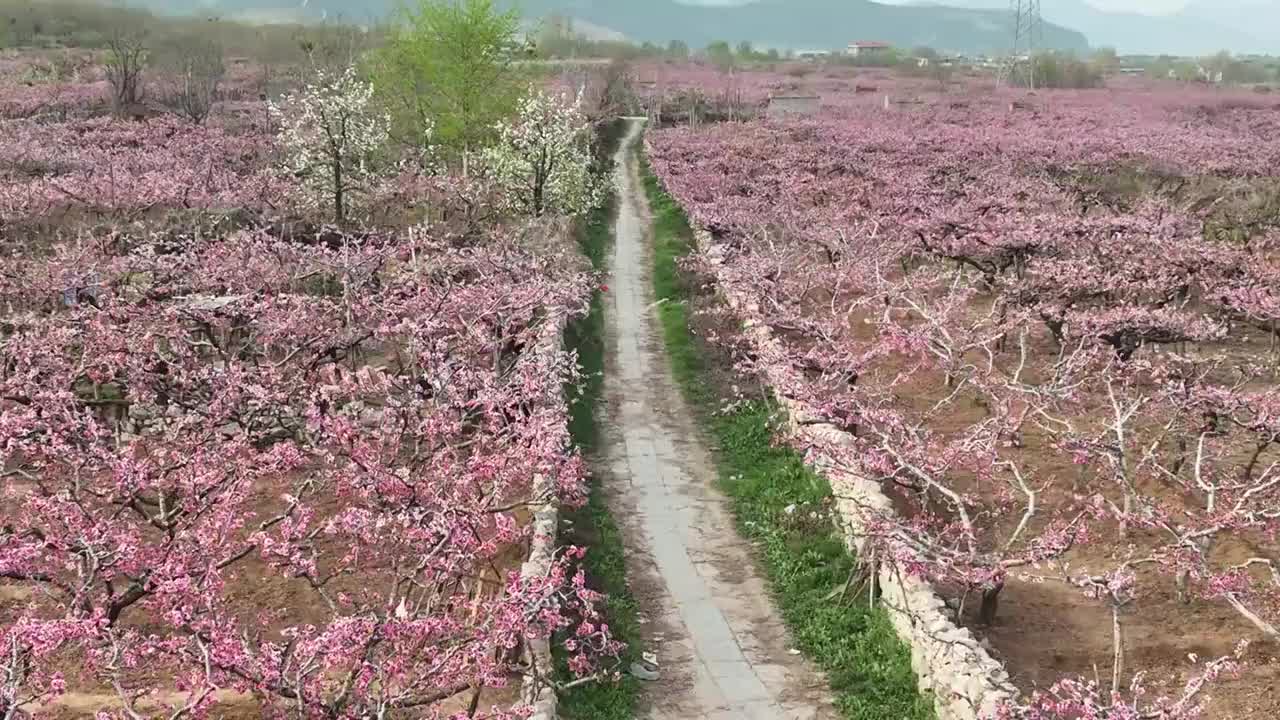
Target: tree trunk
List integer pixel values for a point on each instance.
(873, 581)
(1204, 544)
(540, 174)
(339, 211)
(1128, 510)
(1117, 650)
(990, 603)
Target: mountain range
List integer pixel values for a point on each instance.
(804, 24)
(972, 26)
(794, 24)
(1202, 28)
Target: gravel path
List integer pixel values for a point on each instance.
(724, 654)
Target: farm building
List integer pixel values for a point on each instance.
(867, 48)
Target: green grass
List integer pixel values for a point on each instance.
(591, 525)
(805, 560)
(586, 335)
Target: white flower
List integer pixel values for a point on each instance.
(542, 161)
(331, 134)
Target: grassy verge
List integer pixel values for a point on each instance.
(592, 526)
(772, 493)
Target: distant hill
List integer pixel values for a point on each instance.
(804, 24)
(797, 24)
(274, 10)
(1204, 28)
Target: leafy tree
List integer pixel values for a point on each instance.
(331, 134)
(678, 50)
(720, 54)
(1224, 68)
(892, 57)
(447, 72)
(1105, 60)
(1049, 70)
(542, 161)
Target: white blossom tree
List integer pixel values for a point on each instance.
(331, 135)
(542, 161)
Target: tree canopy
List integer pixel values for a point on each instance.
(447, 66)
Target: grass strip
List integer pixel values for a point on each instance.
(779, 505)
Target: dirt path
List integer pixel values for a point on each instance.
(724, 654)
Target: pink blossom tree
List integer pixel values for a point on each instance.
(179, 445)
(1023, 364)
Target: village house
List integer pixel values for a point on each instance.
(868, 48)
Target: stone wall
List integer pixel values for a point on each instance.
(546, 518)
(966, 682)
(781, 106)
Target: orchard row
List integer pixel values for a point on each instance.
(1054, 343)
(278, 400)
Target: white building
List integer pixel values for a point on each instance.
(867, 48)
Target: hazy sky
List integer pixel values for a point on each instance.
(1143, 6)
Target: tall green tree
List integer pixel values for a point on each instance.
(447, 72)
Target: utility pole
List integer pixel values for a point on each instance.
(1028, 36)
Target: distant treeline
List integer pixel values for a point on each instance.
(92, 25)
